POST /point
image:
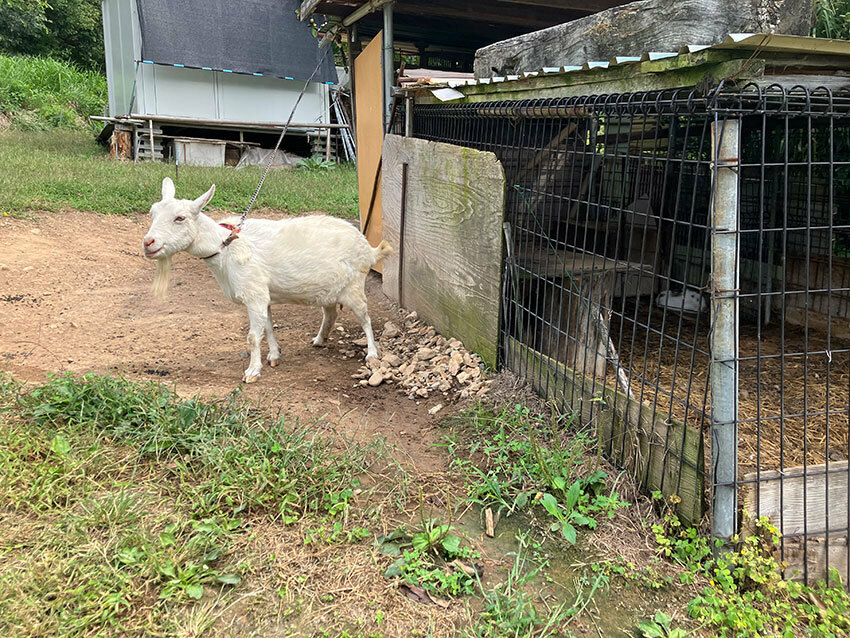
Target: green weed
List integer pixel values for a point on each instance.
(83, 177)
(513, 460)
(746, 594)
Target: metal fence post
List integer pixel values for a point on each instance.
(724, 328)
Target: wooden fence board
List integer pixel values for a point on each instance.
(452, 237)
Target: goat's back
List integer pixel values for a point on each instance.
(310, 259)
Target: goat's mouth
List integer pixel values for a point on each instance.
(150, 254)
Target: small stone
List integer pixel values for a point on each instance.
(422, 392)
(362, 342)
(413, 316)
(445, 386)
(435, 409)
(462, 377)
(455, 362)
(467, 359)
(390, 330)
(364, 382)
(4, 267)
(27, 268)
(392, 360)
(376, 379)
(425, 354)
(340, 328)
(373, 364)
(35, 231)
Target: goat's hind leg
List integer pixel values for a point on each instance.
(274, 348)
(257, 317)
(357, 302)
(328, 319)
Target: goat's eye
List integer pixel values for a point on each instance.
(179, 219)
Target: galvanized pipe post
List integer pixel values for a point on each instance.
(724, 328)
(388, 61)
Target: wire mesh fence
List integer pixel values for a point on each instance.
(678, 264)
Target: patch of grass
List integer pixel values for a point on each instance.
(513, 460)
(509, 611)
(54, 170)
(130, 504)
(42, 93)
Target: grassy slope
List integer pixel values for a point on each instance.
(41, 93)
(67, 169)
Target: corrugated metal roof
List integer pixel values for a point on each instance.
(757, 42)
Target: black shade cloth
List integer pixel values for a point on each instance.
(243, 36)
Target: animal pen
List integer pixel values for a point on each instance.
(676, 268)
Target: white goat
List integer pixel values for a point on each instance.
(316, 260)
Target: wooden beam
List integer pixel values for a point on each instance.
(307, 8)
(648, 25)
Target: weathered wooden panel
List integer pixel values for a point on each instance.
(368, 96)
(661, 454)
(452, 244)
(632, 29)
(811, 505)
(796, 503)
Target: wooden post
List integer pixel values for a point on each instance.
(150, 129)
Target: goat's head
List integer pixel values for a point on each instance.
(174, 223)
(174, 226)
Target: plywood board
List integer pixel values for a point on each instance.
(806, 501)
(452, 252)
(369, 105)
(661, 454)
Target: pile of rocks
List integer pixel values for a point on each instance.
(423, 363)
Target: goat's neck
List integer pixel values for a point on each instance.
(209, 239)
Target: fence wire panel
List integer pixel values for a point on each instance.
(608, 293)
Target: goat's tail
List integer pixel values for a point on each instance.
(383, 250)
(160, 280)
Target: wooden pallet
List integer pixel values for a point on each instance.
(143, 144)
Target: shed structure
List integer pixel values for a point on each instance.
(212, 69)
(675, 267)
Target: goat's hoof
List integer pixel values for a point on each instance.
(317, 342)
(273, 363)
(252, 379)
(372, 355)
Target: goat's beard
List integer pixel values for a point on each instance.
(160, 280)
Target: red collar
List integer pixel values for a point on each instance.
(233, 229)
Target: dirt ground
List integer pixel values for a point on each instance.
(75, 295)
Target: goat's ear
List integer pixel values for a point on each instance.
(204, 199)
(167, 189)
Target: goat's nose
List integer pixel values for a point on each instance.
(149, 242)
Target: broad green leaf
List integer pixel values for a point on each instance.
(551, 504)
(569, 533)
(521, 500)
(559, 483)
(394, 570)
(229, 579)
(451, 544)
(194, 591)
(421, 541)
(573, 494)
(663, 619)
(60, 446)
(649, 629)
(168, 570)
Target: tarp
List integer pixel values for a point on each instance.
(249, 36)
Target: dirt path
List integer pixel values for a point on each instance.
(75, 296)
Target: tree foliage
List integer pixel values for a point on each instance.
(70, 30)
(832, 19)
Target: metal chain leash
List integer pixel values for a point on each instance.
(279, 140)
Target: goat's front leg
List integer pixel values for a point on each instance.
(257, 316)
(274, 349)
